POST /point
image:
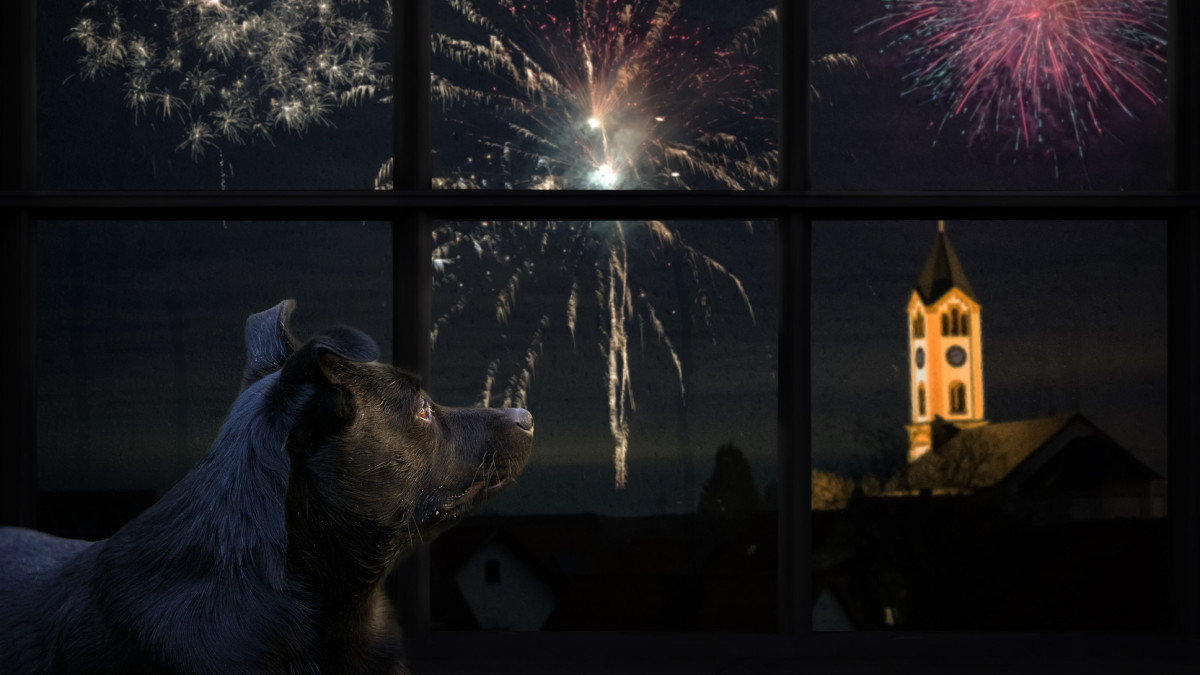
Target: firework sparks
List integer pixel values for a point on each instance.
(600, 259)
(1031, 73)
(551, 94)
(235, 72)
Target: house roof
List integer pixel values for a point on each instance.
(942, 272)
(983, 456)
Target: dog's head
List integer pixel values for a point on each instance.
(376, 465)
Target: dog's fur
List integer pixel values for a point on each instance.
(270, 555)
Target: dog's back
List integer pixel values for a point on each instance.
(35, 573)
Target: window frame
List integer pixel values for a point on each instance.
(412, 206)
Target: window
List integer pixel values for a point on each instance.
(918, 326)
(1050, 390)
(670, 467)
(203, 106)
(978, 96)
(852, 170)
(595, 95)
(958, 398)
(921, 400)
(139, 334)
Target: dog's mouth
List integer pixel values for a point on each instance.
(475, 493)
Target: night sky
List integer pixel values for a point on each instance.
(147, 322)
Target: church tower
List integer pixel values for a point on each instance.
(944, 349)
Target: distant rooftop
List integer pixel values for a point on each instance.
(983, 456)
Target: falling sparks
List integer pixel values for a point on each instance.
(616, 351)
(550, 94)
(1032, 73)
(602, 260)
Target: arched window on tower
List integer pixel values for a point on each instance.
(958, 398)
(954, 321)
(965, 328)
(918, 326)
(945, 324)
(921, 400)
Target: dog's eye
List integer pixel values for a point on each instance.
(425, 414)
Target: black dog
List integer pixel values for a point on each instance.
(270, 555)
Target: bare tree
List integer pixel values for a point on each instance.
(830, 492)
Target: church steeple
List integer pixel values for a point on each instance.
(945, 349)
(942, 270)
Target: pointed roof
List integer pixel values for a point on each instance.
(942, 271)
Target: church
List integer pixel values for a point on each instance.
(1060, 468)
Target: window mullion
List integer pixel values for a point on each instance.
(794, 167)
(412, 273)
(410, 100)
(18, 461)
(1182, 67)
(18, 143)
(1183, 464)
(794, 457)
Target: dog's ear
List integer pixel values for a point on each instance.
(268, 341)
(317, 360)
(315, 374)
(349, 344)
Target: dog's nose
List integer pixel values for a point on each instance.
(520, 417)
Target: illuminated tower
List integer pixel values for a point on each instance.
(945, 352)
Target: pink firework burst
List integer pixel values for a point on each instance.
(1035, 72)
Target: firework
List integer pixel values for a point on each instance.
(1031, 73)
(603, 261)
(548, 94)
(236, 71)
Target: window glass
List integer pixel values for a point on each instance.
(1012, 476)
(592, 94)
(646, 352)
(989, 95)
(141, 343)
(214, 94)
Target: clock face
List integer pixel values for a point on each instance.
(920, 357)
(956, 356)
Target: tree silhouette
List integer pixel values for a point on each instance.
(731, 488)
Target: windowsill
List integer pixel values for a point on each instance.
(950, 653)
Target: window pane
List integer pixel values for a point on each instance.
(646, 352)
(1003, 471)
(989, 95)
(141, 343)
(591, 94)
(213, 94)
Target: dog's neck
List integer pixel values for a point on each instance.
(222, 527)
(344, 556)
(341, 570)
